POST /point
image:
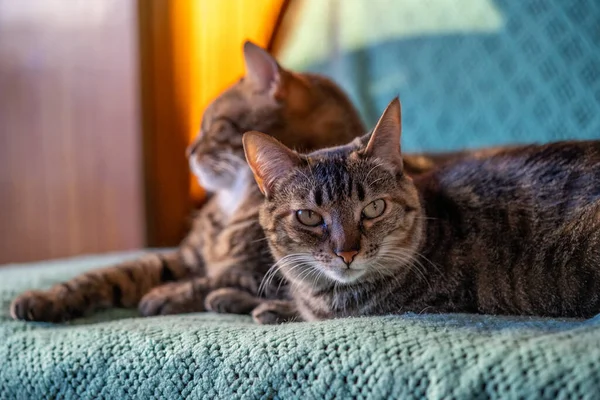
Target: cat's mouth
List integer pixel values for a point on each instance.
(345, 275)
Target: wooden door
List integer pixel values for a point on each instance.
(70, 142)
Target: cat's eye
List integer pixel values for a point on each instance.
(374, 209)
(309, 218)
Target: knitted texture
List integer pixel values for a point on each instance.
(115, 354)
(531, 74)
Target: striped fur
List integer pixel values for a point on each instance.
(225, 247)
(516, 232)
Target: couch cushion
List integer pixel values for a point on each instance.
(116, 354)
(469, 73)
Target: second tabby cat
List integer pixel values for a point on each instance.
(225, 247)
(517, 232)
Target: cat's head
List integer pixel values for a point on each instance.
(303, 111)
(343, 214)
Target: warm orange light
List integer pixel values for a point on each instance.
(208, 38)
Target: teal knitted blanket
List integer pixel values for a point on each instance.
(116, 354)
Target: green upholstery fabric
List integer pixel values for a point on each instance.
(116, 354)
(470, 73)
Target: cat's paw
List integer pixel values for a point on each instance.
(268, 314)
(169, 300)
(230, 301)
(152, 304)
(238, 279)
(36, 305)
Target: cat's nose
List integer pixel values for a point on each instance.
(347, 256)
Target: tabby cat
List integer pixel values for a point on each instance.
(225, 246)
(517, 232)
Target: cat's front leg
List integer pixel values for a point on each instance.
(119, 286)
(228, 300)
(232, 292)
(273, 312)
(176, 297)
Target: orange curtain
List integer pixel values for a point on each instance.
(207, 51)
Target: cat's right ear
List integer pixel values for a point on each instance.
(268, 159)
(262, 69)
(384, 143)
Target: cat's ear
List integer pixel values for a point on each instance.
(385, 139)
(261, 68)
(268, 159)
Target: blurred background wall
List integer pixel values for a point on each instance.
(70, 154)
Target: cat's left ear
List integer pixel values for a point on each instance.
(262, 69)
(385, 139)
(268, 159)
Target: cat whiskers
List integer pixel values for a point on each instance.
(309, 180)
(404, 258)
(310, 169)
(434, 265)
(415, 266)
(394, 277)
(334, 302)
(389, 245)
(293, 261)
(372, 169)
(268, 278)
(305, 176)
(315, 274)
(308, 273)
(374, 182)
(380, 268)
(260, 240)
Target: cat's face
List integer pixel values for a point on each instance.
(302, 111)
(341, 215)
